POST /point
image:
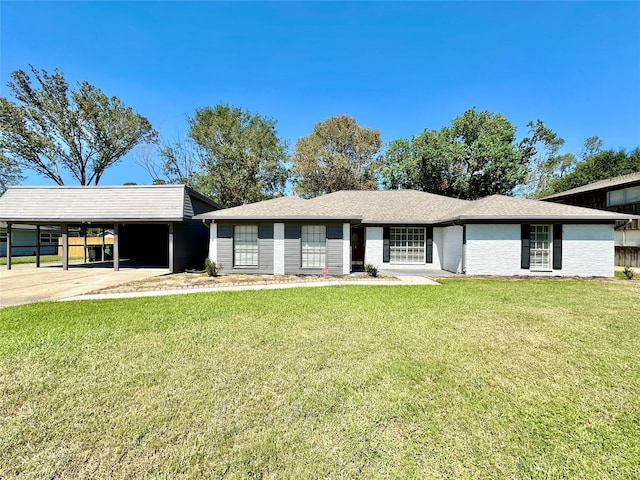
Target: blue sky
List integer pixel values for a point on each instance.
(398, 67)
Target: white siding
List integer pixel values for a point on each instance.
(346, 248)
(587, 250)
(450, 248)
(213, 242)
(373, 246)
(278, 248)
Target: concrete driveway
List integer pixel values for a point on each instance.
(27, 284)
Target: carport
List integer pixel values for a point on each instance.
(152, 224)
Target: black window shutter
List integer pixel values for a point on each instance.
(557, 247)
(525, 236)
(429, 244)
(386, 250)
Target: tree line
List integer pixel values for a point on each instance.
(236, 157)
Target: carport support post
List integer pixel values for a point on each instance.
(8, 245)
(171, 247)
(37, 246)
(116, 247)
(65, 246)
(84, 250)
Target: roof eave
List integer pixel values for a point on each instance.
(214, 217)
(528, 218)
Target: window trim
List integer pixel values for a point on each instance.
(257, 247)
(625, 192)
(406, 261)
(322, 253)
(536, 266)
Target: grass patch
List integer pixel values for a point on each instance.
(473, 379)
(32, 259)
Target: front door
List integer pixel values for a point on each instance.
(357, 249)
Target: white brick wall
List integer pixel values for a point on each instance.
(373, 246)
(278, 248)
(346, 248)
(451, 248)
(213, 242)
(587, 250)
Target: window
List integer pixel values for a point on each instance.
(49, 237)
(624, 196)
(3, 236)
(540, 247)
(407, 245)
(314, 246)
(245, 246)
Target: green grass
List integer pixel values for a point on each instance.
(471, 379)
(32, 259)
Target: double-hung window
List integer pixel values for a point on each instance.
(540, 247)
(245, 246)
(314, 246)
(407, 244)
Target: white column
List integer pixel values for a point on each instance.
(213, 242)
(346, 248)
(171, 249)
(278, 248)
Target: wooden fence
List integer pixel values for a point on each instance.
(628, 256)
(76, 245)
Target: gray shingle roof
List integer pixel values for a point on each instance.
(391, 206)
(152, 203)
(500, 207)
(280, 208)
(607, 184)
(408, 207)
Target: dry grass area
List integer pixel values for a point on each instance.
(200, 280)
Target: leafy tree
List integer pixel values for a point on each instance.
(10, 173)
(599, 166)
(545, 162)
(475, 157)
(231, 155)
(337, 155)
(83, 131)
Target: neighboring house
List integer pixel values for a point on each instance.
(151, 224)
(408, 230)
(24, 241)
(619, 194)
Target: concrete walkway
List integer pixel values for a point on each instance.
(405, 280)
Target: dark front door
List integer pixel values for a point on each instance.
(357, 249)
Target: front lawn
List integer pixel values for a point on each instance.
(471, 379)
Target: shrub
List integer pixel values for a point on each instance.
(371, 270)
(628, 272)
(211, 268)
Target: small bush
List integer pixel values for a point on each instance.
(371, 270)
(211, 268)
(629, 273)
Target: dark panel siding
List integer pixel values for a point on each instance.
(225, 254)
(334, 256)
(190, 245)
(187, 207)
(292, 255)
(334, 231)
(265, 250)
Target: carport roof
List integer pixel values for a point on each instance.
(116, 204)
